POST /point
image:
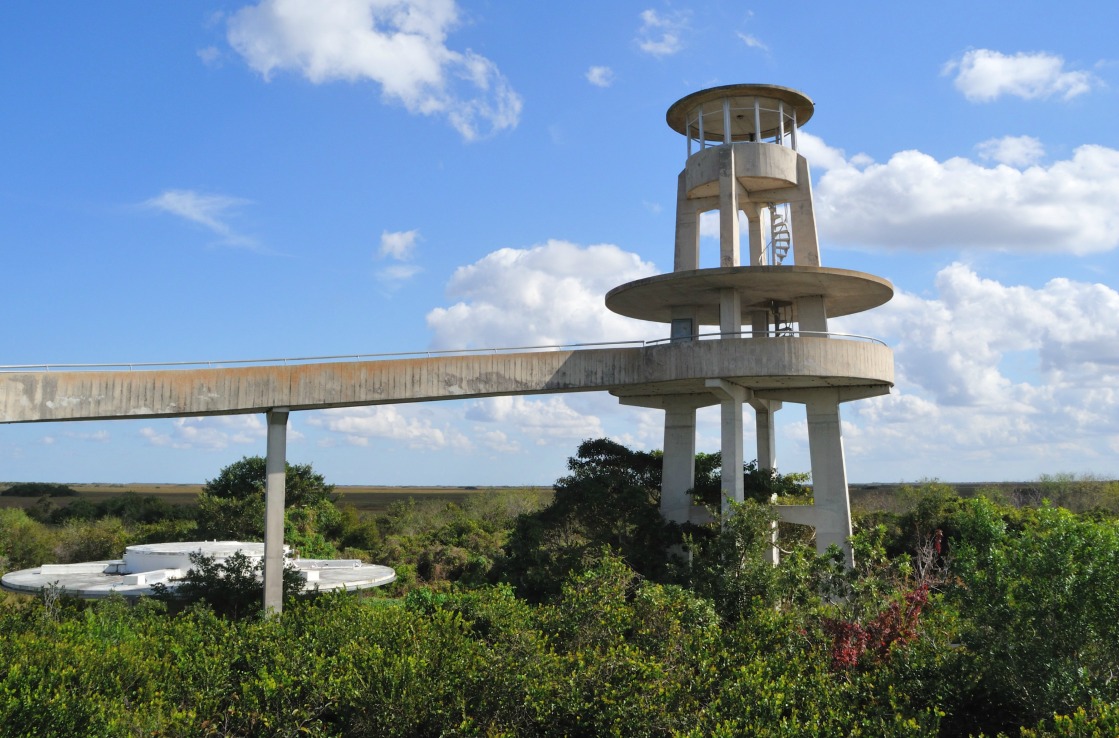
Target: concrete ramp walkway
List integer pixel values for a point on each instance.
(772, 364)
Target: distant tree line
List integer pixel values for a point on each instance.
(38, 489)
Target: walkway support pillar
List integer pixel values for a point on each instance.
(767, 454)
(275, 467)
(829, 473)
(764, 411)
(731, 397)
(678, 475)
(679, 461)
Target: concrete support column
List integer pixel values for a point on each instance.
(767, 454)
(759, 323)
(731, 397)
(687, 229)
(275, 467)
(764, 411)
(678, 475)
(728, 209)
(730, 311)
(802, 219)
(754, 233)
(811, 314)
(829, 473)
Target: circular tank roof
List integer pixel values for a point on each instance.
(654, 298)
(145, 565)
(680, 111)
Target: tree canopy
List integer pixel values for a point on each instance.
(231, 506)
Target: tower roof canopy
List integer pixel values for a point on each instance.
(682, 115)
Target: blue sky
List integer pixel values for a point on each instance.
(226, 180)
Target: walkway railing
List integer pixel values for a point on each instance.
(141, 366)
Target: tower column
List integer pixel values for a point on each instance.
(759, 323)
(767, 455)
(730, 312)
(731, 397)
(764, 411)
(829, 472)
(687, 229)
(274, 468)
(811, 314)
(728, 209)
(678, 470)
(678, 475)
(806, 246)
(754, 222)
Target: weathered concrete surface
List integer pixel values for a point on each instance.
(768, 363)
(756, 166)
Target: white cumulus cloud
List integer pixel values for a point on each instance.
(401, 45)
(544, 421)
(496, 440)
(1014, 151)
(983, 75)
(660, 34)
(211, 433)
(545, 295)
(822, 157)
(358, 425)
(991, 371)
(600, 76)
(915, 201)
(399, 245)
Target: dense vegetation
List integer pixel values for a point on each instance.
(589, 615)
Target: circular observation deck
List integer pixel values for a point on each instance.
(741, 112)
(770, 366)
(760, 288)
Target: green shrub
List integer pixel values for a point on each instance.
(232, 588)
(98, 540)
(24, 543)
(1038, 606)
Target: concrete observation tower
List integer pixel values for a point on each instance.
(769, 302)
(752, 331)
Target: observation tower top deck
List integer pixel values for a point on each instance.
(738, 113)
